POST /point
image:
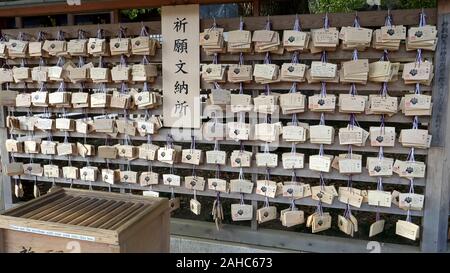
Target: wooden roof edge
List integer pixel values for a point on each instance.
(34, 8)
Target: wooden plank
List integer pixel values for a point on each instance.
(35, 209)
(256, 7)
(42, 200)
(17, 241)
(114, 16)
(57, 205)
(208, 109)
(2, 241)
(161, 137)
(371, 53)
(370, 87)
(444, 7)
(397, 87)
(439, 118)
(305, 172)
(113, 213)
(129, 222)
(71, 32)
(63, 209)
(101, 236)
(18, 21)
(165, 230)
(280, 239)
(90, 6)
(5, 185)
(367, 19)
(81, 212)
(147, 238)
(304, 201)
(70, 19)
(436, 208)
(72, 209)
(85, 216)
(75, 86)
(435, 222)
(249, 197)
(108, 224)
(254, 223)
(100, 214)
(253, 119)
(115, 196)
(156, 59)
(123, 223)
(397, 149)
(400, 56)
(2, 202)
(150, 225)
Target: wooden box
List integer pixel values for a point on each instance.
(69, 220)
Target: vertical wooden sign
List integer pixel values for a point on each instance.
(181, 66)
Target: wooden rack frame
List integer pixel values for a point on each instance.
(435, 186)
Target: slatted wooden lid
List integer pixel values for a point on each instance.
(81, 208)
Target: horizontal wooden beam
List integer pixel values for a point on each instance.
(278, 171)
(396, 88)
(279, 22)
(308, 115)
(407, 17)
(71, 32)
(210, 193)
(185, 137)
(336, 57)
(370, 87)
(299, 241)
(372, 54)
(35, 9)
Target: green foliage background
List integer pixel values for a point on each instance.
(408, 4)
(321, 6)
(274, 7)
(136, 14)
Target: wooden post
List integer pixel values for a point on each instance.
(435, 220)
(2, 199)
(2, 250)
(5, 183)
(19, 22)
(70, 19)
(254, 223)
(256, 7)
(114, 15)
(253, 120)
